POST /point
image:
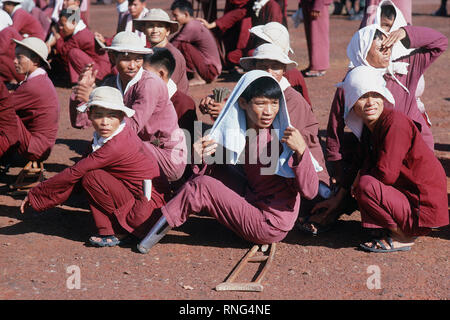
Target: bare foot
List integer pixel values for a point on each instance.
(196, 82)
(388, 245)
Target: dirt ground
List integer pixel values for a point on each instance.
(42, 253)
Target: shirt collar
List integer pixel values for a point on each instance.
(133, 81)
(100, 141)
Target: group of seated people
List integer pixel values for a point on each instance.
(260, 169)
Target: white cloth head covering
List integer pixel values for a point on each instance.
(358, 82)
(359, 47)
(398, 50)
(230, 127)
(5, 20)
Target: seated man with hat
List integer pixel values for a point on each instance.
(75, 47)
(121, 178)
(35, 101)
(155, 120)
(157, 26)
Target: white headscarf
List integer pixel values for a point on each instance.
(5, 20)
(230, 127)
(358, 82)
(359, 47)
(398, 50)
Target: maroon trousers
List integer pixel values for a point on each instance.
(384, 206)
(106, 195)
(77, 60)
(207, 194)
(195, 62)
(317, 38)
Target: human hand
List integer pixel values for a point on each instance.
(355, 185)
(206, 23)
(315, 14)
(204, 104)
(214, 108)
(99, 36)
(393, 38)
(204, 147)
(294, 140)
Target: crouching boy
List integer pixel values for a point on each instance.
(113, 174)
(261, 146)
(399, 184)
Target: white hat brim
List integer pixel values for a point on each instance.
(84, 107)
(130, 50)
(247, 62)
(139, 24)
(31, 49)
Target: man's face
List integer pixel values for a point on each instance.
(369, 107)
(22, 61)
(275, 68)
(260, 111)
(105, 121)
(66, 26)
(156, 32)
(71, 3)
(179, 16)
(386, 23)
(8, 7)
(378, 56)
(135, 8)
(128, 65)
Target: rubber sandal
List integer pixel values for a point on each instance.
(114, 241)
(312, 74)
(375, 242)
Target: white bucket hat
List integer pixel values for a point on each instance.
(158, 15)
(108, 98)
(267, 51)
(274, 32)
(359, 81)
(127, 41)
(37, 46)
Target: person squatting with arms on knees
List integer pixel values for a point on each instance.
(266, 209)
(112, 175)
(397, 181)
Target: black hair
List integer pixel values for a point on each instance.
(161, 57)
(33, 56)
(70, 13)
(388, 11)
(183, 6)
(378, 35)
(262, 87)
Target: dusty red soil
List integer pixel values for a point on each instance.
(36, 250)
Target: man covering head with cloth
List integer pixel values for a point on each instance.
(254, 120)
(371, 46)
(396, 179)
(155, 120)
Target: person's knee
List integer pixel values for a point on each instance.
(366, 187)
(90, 179)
